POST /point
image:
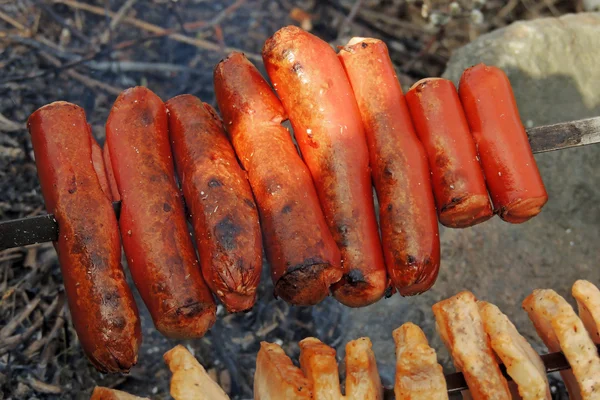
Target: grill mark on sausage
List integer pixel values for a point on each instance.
(214, 182)
(355, 277)
(227, 232)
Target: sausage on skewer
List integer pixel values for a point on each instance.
(511, 173)
(407, 217)
(318, 99)
(458, 184)
(219, 200)
(304, 258)
(89, 248)
(157, 244)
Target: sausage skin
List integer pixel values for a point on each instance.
(110, 176)
(98, 163)
(511, 173)
(220, 202)
(104, 313)
(458, 185)
(407, 217)
(318, 99)
(304, 258)
(157, 244)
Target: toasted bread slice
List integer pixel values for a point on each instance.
(522, 362)
(319, 364)
(190, 380)
(418, 374)
(459, 324)
(362, 376)
(276, 377)
(588, 303)
(102, 393)
(561, 329)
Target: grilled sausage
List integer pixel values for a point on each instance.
(458, 185)
(407, 217)
(104, 313)
(511, 173)
(304, 258)
(110, 176)
(157, 244)
(318, 98)
(220, 202)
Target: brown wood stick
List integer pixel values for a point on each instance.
(200, 43)
(15, 322)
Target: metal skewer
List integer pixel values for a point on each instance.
(43, 228)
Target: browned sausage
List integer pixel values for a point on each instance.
(458, 185)
(157, 244)
(304, 258)
(220, 201)
(409, 226)
(511, 173)
(89, 249)
(318, 98)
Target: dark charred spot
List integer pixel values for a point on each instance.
(82, 243)
(111, 298)
(166, 207)
(72, 185)
(355, 277)
(250, 203)
(286, 209)
(442, 161)
(410, 260)
(390, 207)
(191, 309)
(118, 322)
(146, 117)
(387, 171)
(364, 45)
(343, 235)
(227, 232)
(297, 67)
(453, 203)
(158, 287)
(389, 291)
(297, 285)
(97, 260)
(214, 182)
(159, 177)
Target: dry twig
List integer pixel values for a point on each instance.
(200, 43)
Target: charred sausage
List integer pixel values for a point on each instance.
(157, 244)
(458, 185)
(104, 313)
(220, 202)
(318, 99)
(511, 173)
(409, 228)
(304, 258)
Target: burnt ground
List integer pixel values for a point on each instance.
(82, 52)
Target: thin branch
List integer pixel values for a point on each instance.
(86, 80)
(200, 43)
(116, 20)
(75, 32)
(348, 20)
(10, 20)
